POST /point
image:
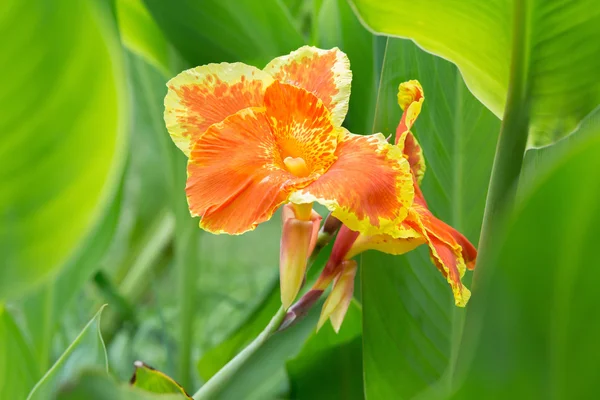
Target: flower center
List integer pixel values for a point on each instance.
(297, 166)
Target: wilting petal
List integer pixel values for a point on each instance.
(414, 154)
(337, 303)
(235, 176)
(325, 73)
(410, 100)
(302, 127)
(369, 188)
(446, 252)
(202, 96)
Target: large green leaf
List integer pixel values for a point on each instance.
(539, 330)
(61, 147)
(230, 30)
(18, 369)
(560, 40)
(409, 316)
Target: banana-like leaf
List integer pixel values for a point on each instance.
(559, 40)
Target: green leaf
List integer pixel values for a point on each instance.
(141, 35)
(95, 385)
(217, 31)
(62, 148)
(560, 40)
(539, 333)
(147, 378)
(45, 307)
(335, 25)
(18, 369)
(86, 350)
(406, 301)
(329, 365)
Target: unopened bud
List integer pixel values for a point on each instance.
(298, 239)
(339, 299)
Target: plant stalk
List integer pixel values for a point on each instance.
(506, 170)
(213, 387)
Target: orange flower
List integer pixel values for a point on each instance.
(257, 139)
(450, 251)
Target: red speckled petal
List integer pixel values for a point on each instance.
(302, 126)
(325, 73)
(235, 176)
(202, 96)
(369, 188)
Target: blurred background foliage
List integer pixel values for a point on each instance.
(93, 212)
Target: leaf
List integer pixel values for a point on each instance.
(560, 40)
(141, 35)
(18, 369)
(337, 26)
(86, 350)
(62, 148)
(329, 366)
(151, 380)
(406, 301)
(539, 334)
(230, 30)
(46, 306)
(95, 385)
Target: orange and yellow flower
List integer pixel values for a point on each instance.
(450, 251)
(257, 139)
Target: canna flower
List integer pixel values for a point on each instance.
(257, 139)
(450, 251)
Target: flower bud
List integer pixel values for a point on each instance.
(337, 303)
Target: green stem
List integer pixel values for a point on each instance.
(213, 387)
(512, 141)
(506, 171)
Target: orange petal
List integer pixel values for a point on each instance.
(325, 73)
(369, 188)
(202, 96)
(235, 176)
(414, 154)
(450, 251)
(410, 99)
(302, 127)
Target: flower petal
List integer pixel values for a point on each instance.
(302, 126)
(325, 73)
(202, 96)
(410, 99)
(235, 176)
(414, 154)
(339, 299)
(446, 250)
(369, 188)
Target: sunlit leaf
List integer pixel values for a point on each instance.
(62, 120)
(154, 381)
(95, 385)
(560, 38)
(406, 301)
